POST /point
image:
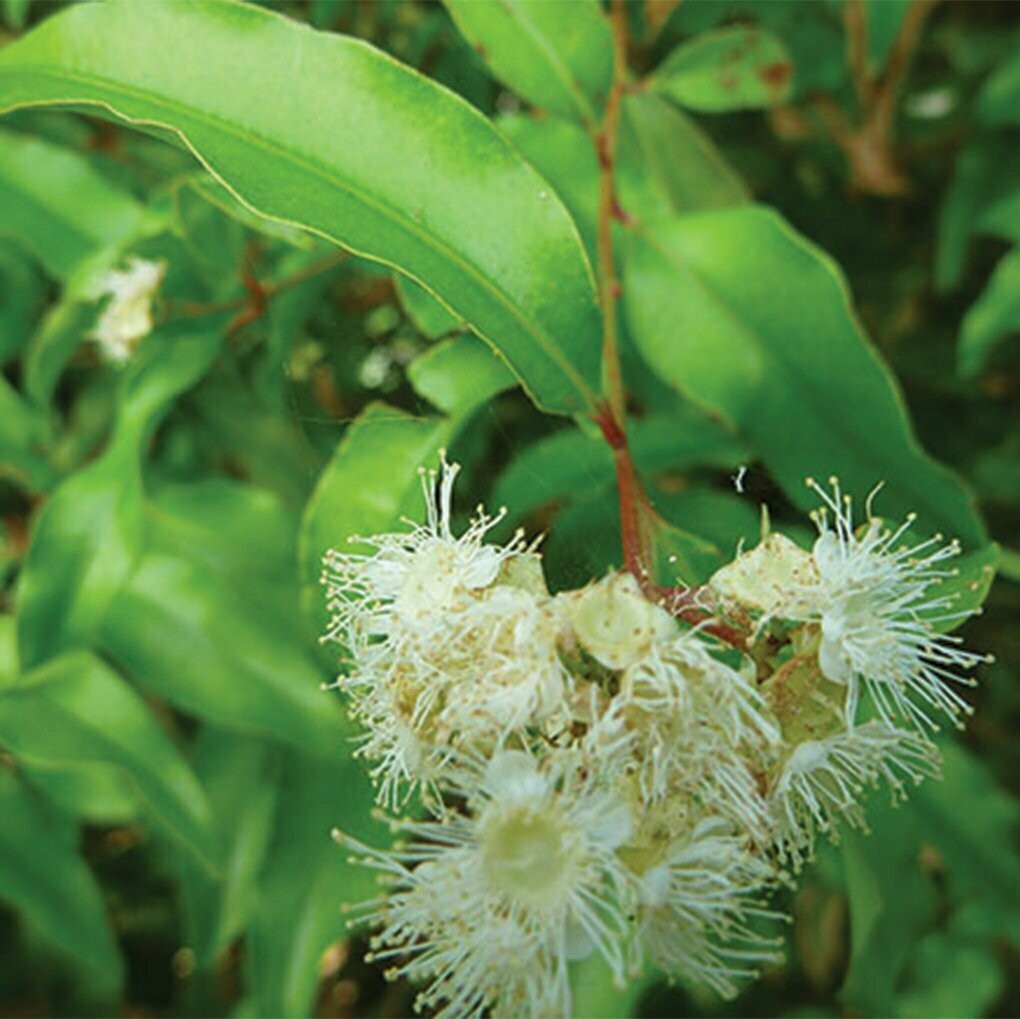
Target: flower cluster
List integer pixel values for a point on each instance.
(601, 779)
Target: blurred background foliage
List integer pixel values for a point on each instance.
(169, 766)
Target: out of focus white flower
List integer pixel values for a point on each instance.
(490, 906)
(877, 601)
(824, 780)
(695, 906)
(127, 316)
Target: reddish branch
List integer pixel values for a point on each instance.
(868, 138)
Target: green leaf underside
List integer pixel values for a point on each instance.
(357, 148)
(743, 316)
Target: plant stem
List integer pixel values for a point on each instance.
(635, 530)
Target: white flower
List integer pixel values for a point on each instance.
(412, 581)
(694, 908)
(491, 907)
(453, 641)
(877, 603)
(127, 316)
(694, 722)
(823, 780)
(614, 622)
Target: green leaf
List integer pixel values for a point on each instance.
(307, 879)
(8, 651)
(55, 203)
(891, 907)
(667, 164)
(736, 68)
(596, 996)
(23, 288)
(76, 709)
(241, 776)
(42, 875)
(187, 635)
(91, 530)
(352, 172)
(977, 187)
(459, 374)
(993, 317)
(948, 853)
(998, 102)
(93, 793)
(563, 153)
(951, 978)
(428, 316)
(572, 464)
(742, 315)
(556, 54)
(21, 441)
(370, 482)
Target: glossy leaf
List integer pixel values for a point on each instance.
(993, 317)
(563, 153)
(556, 54)
(734, 68)
(42, 875)
(55, 203)
(743, 316)
(352, 173)
(76, 709)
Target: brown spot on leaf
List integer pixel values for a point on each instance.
(776, 75)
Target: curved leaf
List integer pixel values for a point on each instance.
(742, 315)
(355, 147)
(459, 374)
